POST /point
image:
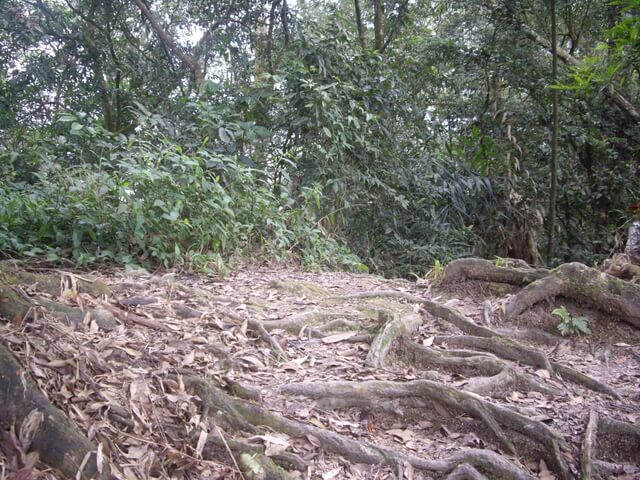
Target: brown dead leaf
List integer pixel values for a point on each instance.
(542, 373)
(403, 435)
(331, 474)
(338, 337)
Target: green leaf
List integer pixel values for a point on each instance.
(225, 135)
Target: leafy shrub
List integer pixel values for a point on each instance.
(570, 325)
(155, 202)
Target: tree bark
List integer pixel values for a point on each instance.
(358, 14)
(553, 190)
(378, 24)
(284, 17)
(188, 60)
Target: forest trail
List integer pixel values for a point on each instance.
(277, 373)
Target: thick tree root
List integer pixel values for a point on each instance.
(368, 394)
(516, 352)
(579, 282)
(503, 271)
(390, 332)
(251, 459)
(484, 338)
(589, 466)
(294, 323)
(356, 451)
(465, 472)
(59, 443)
(501, 374)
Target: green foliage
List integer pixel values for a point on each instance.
(301, 143)
(155, 202)
(570, 325)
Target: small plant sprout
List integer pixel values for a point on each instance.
(570, 325)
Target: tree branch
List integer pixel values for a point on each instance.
(187, 59)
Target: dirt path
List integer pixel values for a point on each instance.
(282, 374)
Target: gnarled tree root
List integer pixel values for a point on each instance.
(59, 443)
(501, 374)
(513, 273)
(588, 446)
(485, 338)
(588, 464)
(253, 416)
(579, 282)
(368, 394)
(506, 348)
(383, 342)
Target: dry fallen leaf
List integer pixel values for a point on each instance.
(331, 474)
(338, 337)
(542, 373)
(404, 435)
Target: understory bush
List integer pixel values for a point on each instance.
(154, 202)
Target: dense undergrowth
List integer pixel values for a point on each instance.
(142, 199)
(307, 142)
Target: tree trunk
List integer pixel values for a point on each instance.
(378, 24)
(553, 190)
(284, 17)
(358, 13)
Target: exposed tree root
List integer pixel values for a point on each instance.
(579, 282)
(484, 338)
(465, 472)
(298, 321)
(259, 328)
(251, 459)
(617, 427)
(390, 332)
(588, 446)
(611, 470)
(356, 451)
(532, 335)
(368, 394)
(59, 443)
(514, 351)
(502, 271)
(500, 373)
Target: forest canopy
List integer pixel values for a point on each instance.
(382, 135)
